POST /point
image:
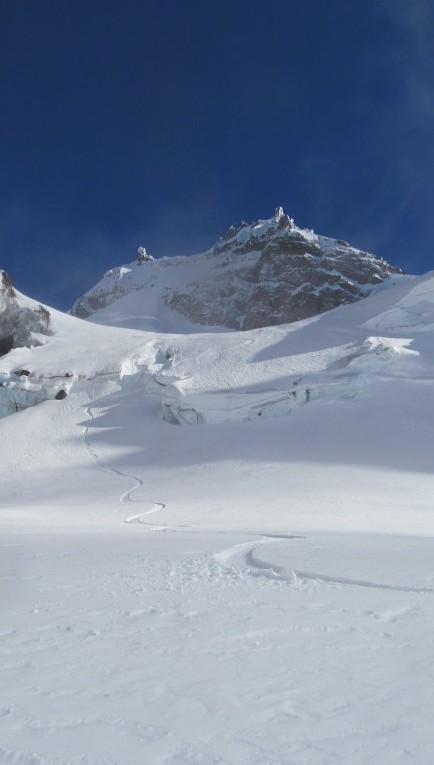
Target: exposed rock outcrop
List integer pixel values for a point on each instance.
(20, 318)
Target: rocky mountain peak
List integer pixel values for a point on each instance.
(143, 256)
(257, 274)
(248, 237)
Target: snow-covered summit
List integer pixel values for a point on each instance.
(143, 256)
(260, 274)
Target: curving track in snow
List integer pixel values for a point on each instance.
(126, 496)
(156, 508)
(244, 555)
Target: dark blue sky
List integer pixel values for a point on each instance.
(161, 122)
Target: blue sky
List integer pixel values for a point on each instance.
(161, 122)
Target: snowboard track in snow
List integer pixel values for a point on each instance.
(125, 497)
(257, 566)
(261, 567)
(138, 518)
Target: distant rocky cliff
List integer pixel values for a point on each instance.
(265, 273)
(20, 318)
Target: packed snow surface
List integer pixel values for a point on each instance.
(218, 548)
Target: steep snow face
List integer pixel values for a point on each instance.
(304, 363)
(266, 273)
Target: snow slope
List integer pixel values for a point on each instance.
(252, 586)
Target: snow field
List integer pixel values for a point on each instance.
(197, 647)
(242, 593)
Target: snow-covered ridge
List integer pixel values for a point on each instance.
(266, 273)
(233, 376)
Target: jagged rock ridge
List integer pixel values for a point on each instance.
(20, 318)
(266, 273)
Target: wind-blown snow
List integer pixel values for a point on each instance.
(254, 586)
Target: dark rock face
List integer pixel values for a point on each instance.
(100, 298)
(22, 373)
(6, 285)
(6, 344)
(272, 272)
(19, 318)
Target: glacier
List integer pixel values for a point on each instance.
(185, 580)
